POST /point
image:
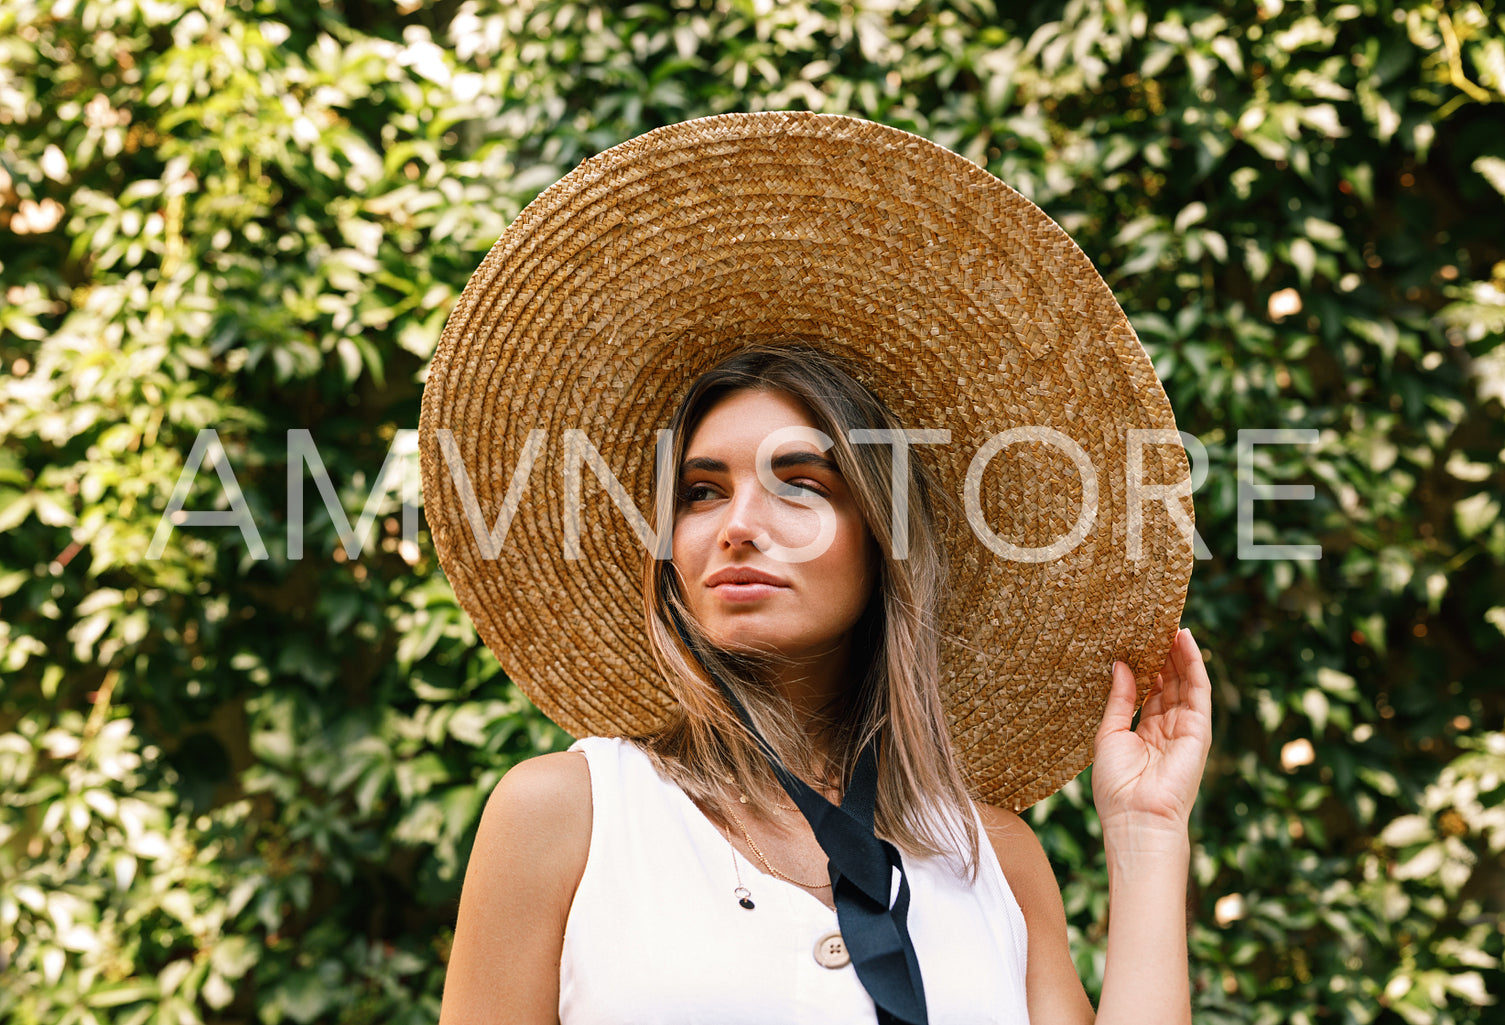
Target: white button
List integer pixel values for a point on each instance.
(831, 951)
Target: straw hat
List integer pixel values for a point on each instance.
(960, 304)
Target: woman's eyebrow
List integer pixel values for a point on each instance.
(790, 460)
(702, 463)
(787, 461)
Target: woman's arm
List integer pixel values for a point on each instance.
(529, 854)
(1144, 783)
(1146, 975)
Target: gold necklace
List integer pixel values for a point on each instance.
(779, 807)
(742, 893)
(771, 870)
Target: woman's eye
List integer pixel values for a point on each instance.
(806, 484)
(696, 492)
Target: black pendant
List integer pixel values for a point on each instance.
(745, 903)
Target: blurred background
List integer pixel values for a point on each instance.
(238, 789)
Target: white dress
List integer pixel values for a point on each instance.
(655, 935)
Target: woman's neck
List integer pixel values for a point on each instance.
(817, 689)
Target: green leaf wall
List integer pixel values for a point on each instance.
(240, 790)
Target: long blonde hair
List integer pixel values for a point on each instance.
(922, 803)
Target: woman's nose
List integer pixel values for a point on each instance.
(746, 517)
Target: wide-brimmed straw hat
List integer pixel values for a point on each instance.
(956, 300)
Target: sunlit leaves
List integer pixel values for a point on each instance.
(244, 790)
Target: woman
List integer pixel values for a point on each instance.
(799, 639)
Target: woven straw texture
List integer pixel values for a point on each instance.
(962, 305)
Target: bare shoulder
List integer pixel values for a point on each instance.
(562, 775)
(529, 855)
(542, 804)
(1020, 855)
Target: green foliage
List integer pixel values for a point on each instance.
(240, 789)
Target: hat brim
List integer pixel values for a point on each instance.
(962, 306)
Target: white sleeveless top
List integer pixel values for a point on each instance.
(655, 935)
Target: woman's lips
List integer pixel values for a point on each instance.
(745, 592)
(742, 575)
(744, 584)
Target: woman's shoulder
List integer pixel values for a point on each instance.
(552, 788)
(539, 816)
(1020, 855)
(1000, 822)
(1054, 988)
(529, 855)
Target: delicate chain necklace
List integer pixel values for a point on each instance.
(823, 783)
(778, 808)
(744, 896)
(742, 893)
(771, 870)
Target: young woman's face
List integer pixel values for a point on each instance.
(746, 557)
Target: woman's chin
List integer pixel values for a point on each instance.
(762, 646)
(746, 645)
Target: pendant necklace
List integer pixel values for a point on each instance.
(830, 950)
(744, 896)
(742, 893)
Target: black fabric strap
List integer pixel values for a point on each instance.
(876, 934)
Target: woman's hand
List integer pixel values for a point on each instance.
(1147, 779)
